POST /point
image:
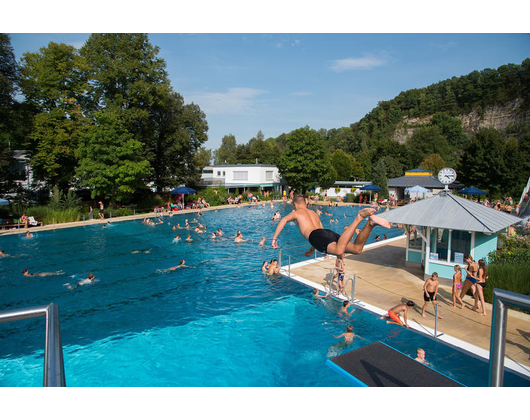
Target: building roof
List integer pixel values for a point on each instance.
(419, 170)
(449, 211)
(423, 181)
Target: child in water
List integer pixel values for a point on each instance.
(348, 335)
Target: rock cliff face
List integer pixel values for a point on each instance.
(499, 117)
(495, 117)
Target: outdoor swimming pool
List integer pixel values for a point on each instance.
(220, 323)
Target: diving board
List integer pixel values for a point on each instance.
(378, 365)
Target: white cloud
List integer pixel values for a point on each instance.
(239, 100)
(444, 46)
(357, 63)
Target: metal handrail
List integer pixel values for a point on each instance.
(501, 298)
(53, 350)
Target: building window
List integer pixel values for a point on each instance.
(414, 238)
(450, 245)
(268, 175)
(240, 175)
(224, 173)
(207, 171)
(218, 173)
(460, 243)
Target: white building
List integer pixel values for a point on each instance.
(341, 188)
(243, 177)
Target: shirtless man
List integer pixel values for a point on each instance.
(430, 291)
(181, 264)
(3, 254)
(326, 240)
(393, 313)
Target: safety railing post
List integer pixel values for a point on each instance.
(53, 350)
(499, 320)
(353, 287)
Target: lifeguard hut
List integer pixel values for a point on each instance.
(442, 229)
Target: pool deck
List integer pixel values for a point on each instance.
(384, 279)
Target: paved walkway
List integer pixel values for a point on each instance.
(385, 279)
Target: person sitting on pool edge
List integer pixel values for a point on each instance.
(325, 240)
(393, 313)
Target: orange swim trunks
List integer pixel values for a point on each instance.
(394, 316)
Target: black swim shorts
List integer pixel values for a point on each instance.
(321, 238)
(428, 297)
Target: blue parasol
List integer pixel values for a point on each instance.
(472, 191)
(183, 190)
(370, 188)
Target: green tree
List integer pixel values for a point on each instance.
(327, 180)
(9, 78)
(482, 164)
(179, 132)
(433, 163)
(125, 72)
(304, 162)
(226, 153)
(427, 141)
(342, 164)
(56, 137)
(379, 178)
(54, 86)
(111, 162)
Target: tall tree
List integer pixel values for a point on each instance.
(9, 76)
(126, 74)
(179, 132)
(54, 85)
(482, 164)
(342, 164)
(111, 162)
(304, 162)
(433, 163)
(227, 152)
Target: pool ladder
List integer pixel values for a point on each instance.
(53, 350)
(350, 280)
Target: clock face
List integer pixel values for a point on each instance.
(447, 175)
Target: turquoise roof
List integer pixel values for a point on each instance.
(419, 170)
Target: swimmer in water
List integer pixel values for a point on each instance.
(89, 280)
(262, 242)
(3, 254)
(181, 265)
(26, 273)
(220, 232)
(348, 335)
(188, 239)
(28, 234)
(239, 237)
(273, 267)
(177, 238)
(214, 236)
(265, 267)
(316, 294)
(344, 309)
(145, 251)
(420, 353)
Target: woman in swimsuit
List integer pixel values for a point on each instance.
(481, 283)
(471, 275)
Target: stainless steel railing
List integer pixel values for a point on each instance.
(53, 351)
(501, 298)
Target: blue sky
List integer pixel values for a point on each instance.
(277, 82)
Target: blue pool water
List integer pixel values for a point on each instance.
(220, 323)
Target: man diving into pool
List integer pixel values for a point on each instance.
(325, 240)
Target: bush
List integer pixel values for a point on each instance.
(351, 198)
(514, 277)
(215, 199)
(48, 215)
